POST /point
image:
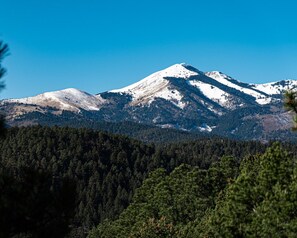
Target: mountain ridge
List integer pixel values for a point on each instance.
(180, 97)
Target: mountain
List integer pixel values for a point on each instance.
(180, 97)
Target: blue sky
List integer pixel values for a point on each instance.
(96, 45)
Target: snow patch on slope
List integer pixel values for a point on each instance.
(173, 96)
(276, 87)
(212, 92)
(205, 128)
(225, 79)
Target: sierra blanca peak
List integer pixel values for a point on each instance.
(179, 96)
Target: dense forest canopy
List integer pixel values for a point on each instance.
(106, 169)
(254, 198)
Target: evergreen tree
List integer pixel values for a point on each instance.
(290, 103)
(3, 53)
(261, 202)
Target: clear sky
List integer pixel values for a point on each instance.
(96, 45)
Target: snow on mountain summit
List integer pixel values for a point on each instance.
(180, 97)
(158, 78)
(181, 85)
(156, 85)
(159, 85)
(68, 99)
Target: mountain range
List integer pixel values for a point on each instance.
(180, 97)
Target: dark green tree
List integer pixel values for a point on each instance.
(3, 53)
(290, 103)
(262, 200)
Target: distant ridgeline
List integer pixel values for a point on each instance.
(151, 133)
(142, 132)
(107, 170)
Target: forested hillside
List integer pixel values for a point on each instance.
(142, 132)
(105, 168)
(254, 198)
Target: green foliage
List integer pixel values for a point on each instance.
(154, 228)
(166, 205)
(290, 104)
(221, 173)
(261, 204)
(256, 198)
(3, 53)
(108, 169)
(142, 132)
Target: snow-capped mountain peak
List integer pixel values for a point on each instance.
(67, 99)
(182, 70)
(159, 78)
(179, 96)
(156, 85)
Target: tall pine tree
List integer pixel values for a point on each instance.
(3, 53)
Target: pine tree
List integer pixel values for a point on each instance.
(290, 103)
(261, 202)
(3, 53)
